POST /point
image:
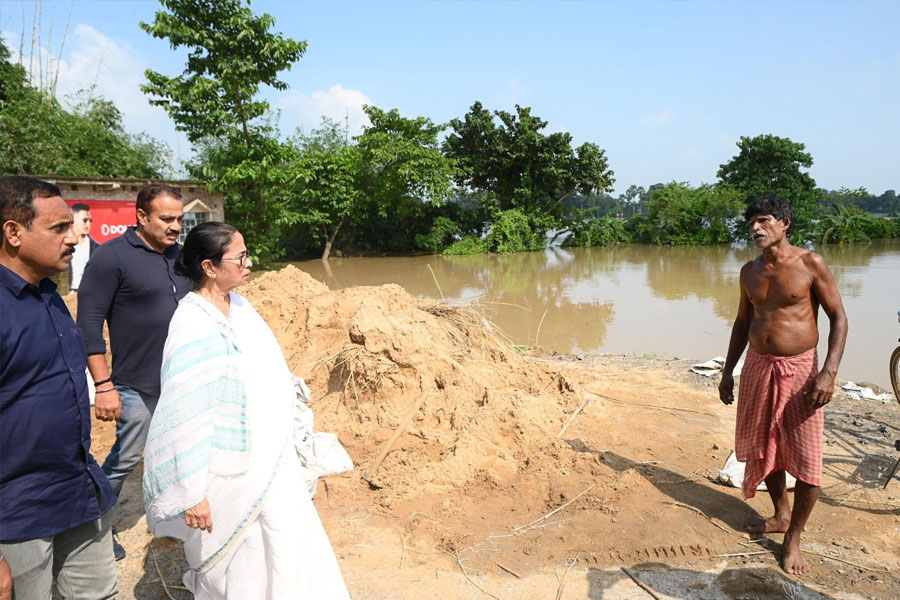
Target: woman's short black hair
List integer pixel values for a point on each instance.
(206, 241)
(770, 204)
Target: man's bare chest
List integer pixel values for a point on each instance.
(776, 289)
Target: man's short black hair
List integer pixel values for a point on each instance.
(770, 204)
(17, 196)
(80, 207)
(154, 191)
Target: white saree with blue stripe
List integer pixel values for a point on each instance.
(221, 427)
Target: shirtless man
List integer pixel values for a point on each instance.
(779, 416)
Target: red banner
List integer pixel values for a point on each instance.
(110, 218)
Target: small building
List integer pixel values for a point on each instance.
(112, 202)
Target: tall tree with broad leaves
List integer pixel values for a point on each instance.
(215, 101)
(378, 183)
(507, 159)
(768, 164)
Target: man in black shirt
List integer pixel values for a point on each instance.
(131, 284)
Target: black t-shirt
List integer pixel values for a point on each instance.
(135, 290)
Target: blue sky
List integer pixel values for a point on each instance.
(666, 88)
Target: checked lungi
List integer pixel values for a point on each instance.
(777, 427)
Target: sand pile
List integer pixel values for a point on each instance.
(369, 353)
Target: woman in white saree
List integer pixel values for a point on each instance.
(220, 469)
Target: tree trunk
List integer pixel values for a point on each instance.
(556, 235)
(329, 242)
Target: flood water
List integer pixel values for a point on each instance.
(676, 302)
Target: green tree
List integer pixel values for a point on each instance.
(231, 53)
(768, 164)
(39, 136)
(381, 184)
(511, 231)
(679, 214)
(889, 202)
(325, 188)
(602, 231)
(843, 196)
(508, 162)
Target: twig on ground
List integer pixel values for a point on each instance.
(402, 551)
(853, 564)
(805, 551)
(743, 553)
(493, 536)
(508, 570)
(700, 512)
(527, 529)
(572, 417)
(462, 568)
(641, 584)
(563, 578)
(369, 472)
(653, 406)
(291, 320)
(556, 510)
(756, 541)
(162, 579)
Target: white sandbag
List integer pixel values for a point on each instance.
(857, 392)
(732, 474)
(321, 454)
(714, 366)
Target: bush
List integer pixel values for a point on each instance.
(512, 231)
(844, 223)
(439, 236)
(467, 245)
(682, 215)
(604, 231)
(881, 228)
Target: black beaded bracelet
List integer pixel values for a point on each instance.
(98, 383)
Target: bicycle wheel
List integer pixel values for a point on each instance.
(895, 372)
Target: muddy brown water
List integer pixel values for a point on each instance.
(676, 302)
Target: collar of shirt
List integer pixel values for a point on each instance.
(135, 240)
(17, 285)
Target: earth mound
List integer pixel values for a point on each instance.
(370, 354)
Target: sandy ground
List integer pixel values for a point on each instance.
(494, 490)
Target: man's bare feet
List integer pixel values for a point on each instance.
(793, 561)
(770, 525)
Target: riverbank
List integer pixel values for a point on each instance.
(532, 476)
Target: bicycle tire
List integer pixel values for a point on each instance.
(895, 373)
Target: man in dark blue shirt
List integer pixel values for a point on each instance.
(54, 499)
(130, 283)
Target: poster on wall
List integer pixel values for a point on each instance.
(110, 218)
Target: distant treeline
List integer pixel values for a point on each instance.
(637, 201)
(488, 181)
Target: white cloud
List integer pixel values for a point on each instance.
(337, 103)
(663, 116)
